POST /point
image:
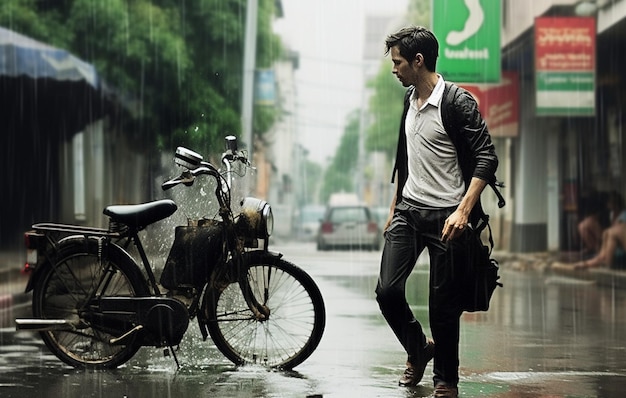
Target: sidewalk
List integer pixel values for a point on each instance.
(543, 262)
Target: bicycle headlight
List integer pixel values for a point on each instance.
(256, 216)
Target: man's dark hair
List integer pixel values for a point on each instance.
(412, 40)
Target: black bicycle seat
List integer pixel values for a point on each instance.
(141, 215)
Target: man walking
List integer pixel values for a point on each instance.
(444, 160)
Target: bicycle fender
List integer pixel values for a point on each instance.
(255, 255)
(69, 241)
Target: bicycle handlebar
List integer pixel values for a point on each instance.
(231, 155)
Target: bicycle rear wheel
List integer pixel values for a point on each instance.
(294, 319)
(63, 291)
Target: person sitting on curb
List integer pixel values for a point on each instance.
(613, 248)
(594, 216)
(612, 253)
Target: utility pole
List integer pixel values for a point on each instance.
(249, 63)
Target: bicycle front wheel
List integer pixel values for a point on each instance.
(65, 288)
(293, 319)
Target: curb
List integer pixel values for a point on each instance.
(542, 262)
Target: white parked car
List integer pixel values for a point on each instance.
(348, 226)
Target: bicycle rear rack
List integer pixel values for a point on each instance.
(75, 229)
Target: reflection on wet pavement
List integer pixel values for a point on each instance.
(544, 336)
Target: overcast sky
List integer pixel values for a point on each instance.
(328, 35)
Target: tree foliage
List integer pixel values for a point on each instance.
(177, 64)
(385, 106)
(384, 111)
(339, 175)
(312, 174)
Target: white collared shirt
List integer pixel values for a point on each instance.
(435, 179)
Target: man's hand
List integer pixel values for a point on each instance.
(391, 210)
(454, 226)
(456, 223)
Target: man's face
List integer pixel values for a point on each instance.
(402, 68)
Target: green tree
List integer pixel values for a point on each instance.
(385, 106)
(177, 63)
(339, 175)
(385, 110)
(419, 13)
(312, 174)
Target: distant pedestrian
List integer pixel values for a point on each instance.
(436, 201)
(600, 212)
(612, 250)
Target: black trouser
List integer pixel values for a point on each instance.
(413, 229)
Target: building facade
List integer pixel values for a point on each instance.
(556, 161)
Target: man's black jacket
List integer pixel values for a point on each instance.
(469, 134)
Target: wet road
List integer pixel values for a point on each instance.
(545, 336)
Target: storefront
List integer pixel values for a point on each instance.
(559, 159)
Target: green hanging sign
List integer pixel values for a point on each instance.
(468, 32)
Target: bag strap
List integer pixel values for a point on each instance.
(452, 129)
(483, 223)
(491, 244)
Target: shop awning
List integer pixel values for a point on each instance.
(47, 89)
(23, 56)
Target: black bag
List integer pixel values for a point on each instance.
(482, 273)
(193, 256)
(481, 277)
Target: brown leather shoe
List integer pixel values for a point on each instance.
(414, 372)
(445, 391)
